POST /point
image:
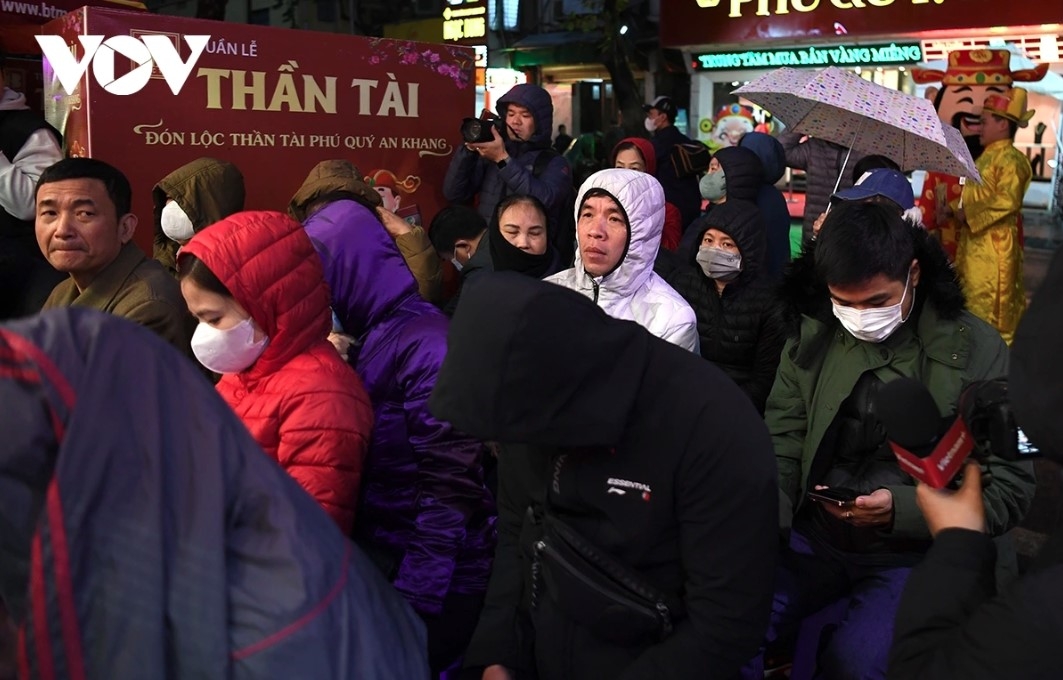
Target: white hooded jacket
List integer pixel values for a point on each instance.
(633, 291)
(19, 175)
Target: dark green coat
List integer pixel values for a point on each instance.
(822, 363)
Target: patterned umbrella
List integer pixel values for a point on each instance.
(839, 106)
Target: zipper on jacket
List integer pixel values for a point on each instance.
(595, 284)
(659, 612)
(536, 569)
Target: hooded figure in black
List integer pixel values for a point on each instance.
(951, 622)
(770, 200)
(647, 452)
(496, 253)
(507, 257)
(735, 173)
(739, 324)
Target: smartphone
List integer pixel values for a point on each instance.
(834, 496)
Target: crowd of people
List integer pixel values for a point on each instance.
(593, 459)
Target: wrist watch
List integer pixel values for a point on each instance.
(501, 163)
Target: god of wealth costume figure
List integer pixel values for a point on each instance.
(970, 77)
(989, 252)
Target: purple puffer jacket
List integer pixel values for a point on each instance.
(423, 497)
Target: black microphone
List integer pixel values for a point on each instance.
(924, 449)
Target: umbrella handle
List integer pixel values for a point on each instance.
(848, 153)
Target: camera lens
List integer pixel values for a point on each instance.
(471, 130)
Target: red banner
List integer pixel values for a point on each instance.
(713, 22)
(272, 101)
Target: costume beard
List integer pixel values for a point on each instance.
(974, 143)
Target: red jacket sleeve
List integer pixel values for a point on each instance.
(324, 437)
(673, 228)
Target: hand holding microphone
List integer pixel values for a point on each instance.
(961, 509)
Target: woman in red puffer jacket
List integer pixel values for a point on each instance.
(256, 286)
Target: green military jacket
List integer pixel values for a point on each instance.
(947, 355)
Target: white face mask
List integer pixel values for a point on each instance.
(651, 125)
(875, 324)
(228, 351)
(175, 223)
(457, 264)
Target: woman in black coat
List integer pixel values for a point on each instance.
(736, 306)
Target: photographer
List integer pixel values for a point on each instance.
(517, 160)
(951, 622)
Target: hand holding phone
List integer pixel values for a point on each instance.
(840, 497)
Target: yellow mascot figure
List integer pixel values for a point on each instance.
(969, 77)
(989, 253)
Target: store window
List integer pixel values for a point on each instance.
(503, 14)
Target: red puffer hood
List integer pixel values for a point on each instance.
(268, 263)
(645, 147)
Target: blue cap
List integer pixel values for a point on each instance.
(881, 182)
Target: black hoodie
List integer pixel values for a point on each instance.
(608, 408)
(741, 330)
(743, 170)
(744, 174)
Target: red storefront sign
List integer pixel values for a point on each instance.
(272, 101)
(711, 22)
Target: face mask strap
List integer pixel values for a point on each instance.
(907, 281)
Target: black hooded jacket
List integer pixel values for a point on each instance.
(744, 173)
(601, 405)
(743, 170)
(770, 200)
(741, 330)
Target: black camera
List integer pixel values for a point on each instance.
(986, 410)
(478, 130)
